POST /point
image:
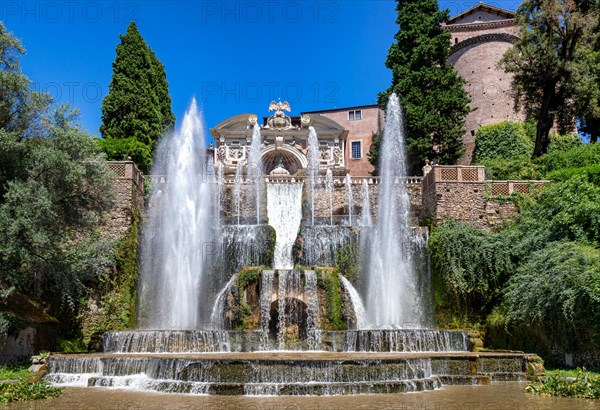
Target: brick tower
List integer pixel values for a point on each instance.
(480, 36)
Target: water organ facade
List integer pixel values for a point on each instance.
(344, 139)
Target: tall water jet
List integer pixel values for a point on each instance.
(365, 214)
(254, 168)
(349, 199)
(179, 223)
(313, 169)
(220, 189)
(329, 191)
(284, 210)
(393, 296)
(237, 192)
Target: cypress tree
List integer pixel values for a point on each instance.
(430, 90)
(137, 109)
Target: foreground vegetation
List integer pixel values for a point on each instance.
(534, 284)
(16, 385)
(55, 194)
(574, 383)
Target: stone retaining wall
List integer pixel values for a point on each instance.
(461, 193)
(129, 198)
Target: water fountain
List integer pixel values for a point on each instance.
(220, 186)
(237, 192)
(271, 312)
(313, 169)
(329, 191)
(391, 276)
(178, 225)
(254, 169)
(349, 198)
(365, 215)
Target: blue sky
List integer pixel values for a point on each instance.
(233, 56)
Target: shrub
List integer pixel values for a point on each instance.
(506, 140)
(590, 172)
(577, 157)
(562, 143)
(558, 291)
(471, 264)
(567, 210)
(520, 168)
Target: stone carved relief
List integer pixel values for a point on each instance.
(337, 156)
(236, 154)
(279, 120)
(221, 154)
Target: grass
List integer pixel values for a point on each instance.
(15, 385)
(568, 383)
(569, 372)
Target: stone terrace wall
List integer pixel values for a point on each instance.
(461, 193)
(129, 191)
(321, 203)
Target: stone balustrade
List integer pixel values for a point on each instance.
(321, 179)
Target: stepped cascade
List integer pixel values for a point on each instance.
(272, 272)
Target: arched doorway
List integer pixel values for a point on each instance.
(293, 321)
(291, 158)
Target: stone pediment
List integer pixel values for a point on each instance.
(238, 124)
(283, 140)
(481, 13)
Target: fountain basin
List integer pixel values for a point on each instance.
(206, 341)
(284, 373)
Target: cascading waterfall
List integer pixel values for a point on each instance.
(392, 296)
(288, 305)
(313, 326)
(349, 199)
(284, 210)
(313, 169)
(329, 192)
(365, 215)
(254, 168)
(178, 224)
(322, 244)
(266, 294)
(362, 321)
(237, 192)
(218, 311)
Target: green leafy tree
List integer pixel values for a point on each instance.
(430, 90)
(20, 109)
(54, 189)
(137, 109)
(550, 62)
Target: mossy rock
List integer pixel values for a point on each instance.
(331, 301)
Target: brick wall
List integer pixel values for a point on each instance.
(362, 130)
